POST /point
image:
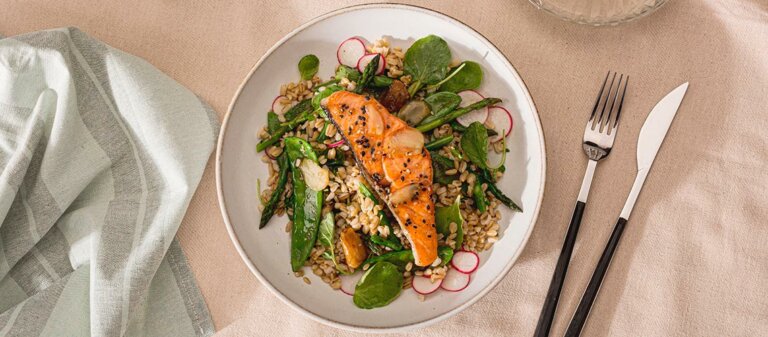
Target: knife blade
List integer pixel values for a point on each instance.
(651, 136)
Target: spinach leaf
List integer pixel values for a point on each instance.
(347, 72)
(325, 233)
(319, 96)
(460, 128)
(399, 259)
(378, 287)
(468, 75)
(441, 164)
(390, 241)
(445, 253)
(325, 237)
(274, 199)
(307, 204)
(441, 103)
(427, 61)
(444, 216)
(474, 143)
(273, 122)
(308, 66)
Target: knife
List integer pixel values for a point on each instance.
(651, 136)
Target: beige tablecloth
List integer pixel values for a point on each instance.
(694, 258)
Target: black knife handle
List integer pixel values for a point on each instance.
(582, 312)
(558, 278)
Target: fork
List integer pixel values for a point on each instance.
(599, 135)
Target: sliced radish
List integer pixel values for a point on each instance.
(349, 282)
(350, 51)
(499, 120)
(276, 106)
(455, 281)
(480, 115)
(424, 285)
(336, 144)
(465, 261)
(367, 58)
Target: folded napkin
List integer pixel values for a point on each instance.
(99, 156)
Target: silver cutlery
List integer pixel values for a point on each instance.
(599, 135)
(651, 136)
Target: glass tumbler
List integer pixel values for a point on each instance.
(599, 12)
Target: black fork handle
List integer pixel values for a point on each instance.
(558, 278)
(590, 294)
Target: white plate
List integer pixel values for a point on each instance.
(266, 251)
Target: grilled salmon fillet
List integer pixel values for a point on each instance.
(393, 159)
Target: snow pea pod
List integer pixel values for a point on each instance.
(307, 203)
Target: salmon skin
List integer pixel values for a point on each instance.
(393, 159)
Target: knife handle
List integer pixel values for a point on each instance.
(558, 278)
(582, 312)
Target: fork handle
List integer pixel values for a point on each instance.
(558, 278)
(590, 294)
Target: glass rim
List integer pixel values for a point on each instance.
(596, 21)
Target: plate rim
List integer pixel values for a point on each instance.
(367, 329)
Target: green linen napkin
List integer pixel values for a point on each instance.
(99, 156)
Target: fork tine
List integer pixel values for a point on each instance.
(600, 122)
(621, 103)
(597, 101)
(607, 123)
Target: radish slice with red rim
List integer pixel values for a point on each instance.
(276, 106)
(499, 120)
(336, 144)
(465, 261)
(367, 58)
(455, 281)
(350, 51)
(480, 115)
(349, 282)
(424, 285)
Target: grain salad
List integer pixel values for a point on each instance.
(382, 170)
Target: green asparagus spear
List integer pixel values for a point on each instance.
(438, 143)
(431, 123)
(274, 199)
(484, 176)
(368, 73)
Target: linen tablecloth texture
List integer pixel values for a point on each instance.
(692, 261)
(100, 154)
